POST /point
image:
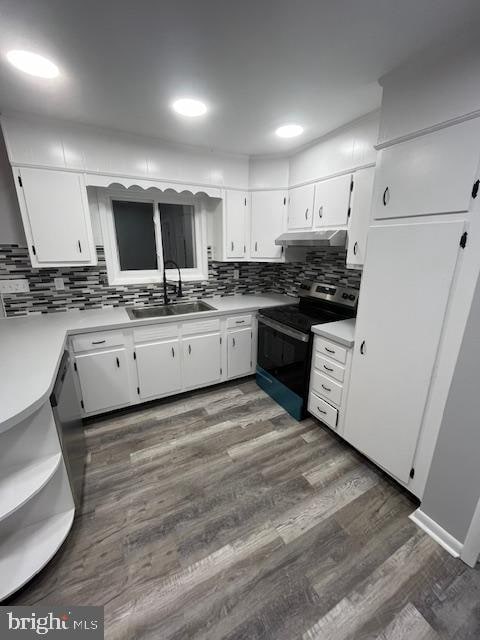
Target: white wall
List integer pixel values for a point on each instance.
(441, 83)
(345, 149)
(59, 144)
(11, 229)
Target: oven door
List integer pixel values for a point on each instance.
(284, 353)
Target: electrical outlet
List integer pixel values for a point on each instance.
(236, 274)
(59, 284)
(14, 286)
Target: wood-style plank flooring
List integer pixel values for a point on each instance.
(216, 515)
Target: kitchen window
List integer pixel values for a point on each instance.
(141, 232)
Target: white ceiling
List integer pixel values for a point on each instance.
(257, 63)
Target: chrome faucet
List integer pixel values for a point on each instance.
(177, 288)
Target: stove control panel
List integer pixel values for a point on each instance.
(331, 293)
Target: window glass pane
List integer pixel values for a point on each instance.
(178, 234)
(135, 233)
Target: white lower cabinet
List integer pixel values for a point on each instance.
(159, 368)
(329, 379)
(104, 379)
(403, 299)
(202, 360)
(239, 353)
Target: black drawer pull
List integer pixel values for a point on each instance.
(239, 321)
(321, 411)
(326, 388)
(329, 350)
(327, 368)
(98, 341)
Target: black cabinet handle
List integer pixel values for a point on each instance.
(326, 388)
(256, 246)
(233, 341)
(79, 246)
(362, 347)
(386, 196)
(329, 350)
(98, 341)
(327, 368)
(321, 410)
(118, 362)
(355, 248)
(320, 212)
(232, 245)
(306, 214)
(173, 352)
(189, 348)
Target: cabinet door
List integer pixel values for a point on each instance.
(158, 367)
(104, 380)
(239, 350)
(332, 199)
(430, 174)
(236, 221)
(55, 203)
(201, 360)
(403, 298)
(360, 208)
(300, 207)
(267, 223)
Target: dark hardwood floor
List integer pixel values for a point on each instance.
(216, 515)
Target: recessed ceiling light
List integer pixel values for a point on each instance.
(189, 107)
(32, 63)
(289, 131)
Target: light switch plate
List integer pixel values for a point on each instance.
(59, 284)
(14, 286)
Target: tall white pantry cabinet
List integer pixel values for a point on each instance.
(424, 190)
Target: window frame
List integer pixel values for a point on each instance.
(152, 276)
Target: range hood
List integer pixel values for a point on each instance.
(320, 238)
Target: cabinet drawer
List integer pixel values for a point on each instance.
(329, 368)
(200, 326)
(326, 387)
(99, 340)
(239, 321)
(322, 410)
(330, 349)
(155, 332)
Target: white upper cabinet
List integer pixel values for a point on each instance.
(236, 224)
(360, 209)
(159, 369)
(332, 200)
(267, 223)
(403, 299)
(300, 207)
(431, 174)
(56, 217)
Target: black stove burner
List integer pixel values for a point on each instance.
(304, 317)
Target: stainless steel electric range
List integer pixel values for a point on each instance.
(285, 341)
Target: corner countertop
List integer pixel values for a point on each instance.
(342, 331)
(31, 347)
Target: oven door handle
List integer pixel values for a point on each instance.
(281, 328)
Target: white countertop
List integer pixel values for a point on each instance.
(31, 347)
(342, 331)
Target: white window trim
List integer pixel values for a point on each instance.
(153, 276)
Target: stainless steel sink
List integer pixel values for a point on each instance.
(181, 308)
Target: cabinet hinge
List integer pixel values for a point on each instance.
(33, 250)
(475, 187)
(134, 355)
(349, 212)
(20, 181)
(351, 186)
(463, 239)
(81, 404)
(138, 390)
(75, 366)
(412, 472)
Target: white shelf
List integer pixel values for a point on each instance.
(20, 483)
(25, 552)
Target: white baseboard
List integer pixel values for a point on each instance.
(435, 531)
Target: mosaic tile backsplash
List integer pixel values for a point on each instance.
(87, 287)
